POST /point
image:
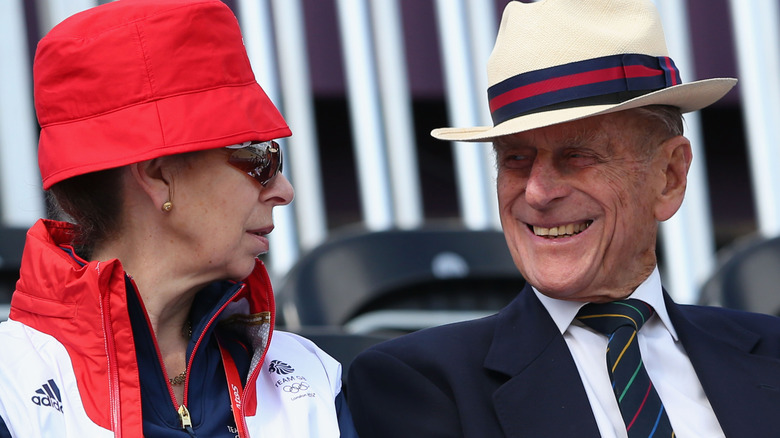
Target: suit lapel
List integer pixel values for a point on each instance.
(543, 395)
(743, 388)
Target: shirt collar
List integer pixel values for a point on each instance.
(650, 291)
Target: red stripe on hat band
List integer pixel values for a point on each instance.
(675, 79)
(609, 79)
(574, 80)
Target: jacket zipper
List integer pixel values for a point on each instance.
(186, 421)
(249, 387)
(113, 370)
(184, 413)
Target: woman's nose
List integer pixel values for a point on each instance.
(279, 190)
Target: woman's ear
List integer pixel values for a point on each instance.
(154, 178)
(675, 159)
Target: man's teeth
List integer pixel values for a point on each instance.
(563, 230)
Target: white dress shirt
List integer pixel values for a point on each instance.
(667, 364)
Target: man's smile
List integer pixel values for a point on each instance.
(561, 230)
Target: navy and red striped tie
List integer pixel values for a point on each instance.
(640, 406)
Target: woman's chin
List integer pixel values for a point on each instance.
(242, 271)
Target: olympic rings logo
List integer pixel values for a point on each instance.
(296, 387)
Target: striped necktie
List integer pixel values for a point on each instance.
(640, 406)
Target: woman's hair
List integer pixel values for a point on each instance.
(93, 202)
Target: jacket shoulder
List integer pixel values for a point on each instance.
(711, 314)
(287, 348)
(462, 342)
(297, 387)
(39, 395)
(726, 323)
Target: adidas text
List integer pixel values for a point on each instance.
(48, 396)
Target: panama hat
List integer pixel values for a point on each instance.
(134, 80)
(556, 61)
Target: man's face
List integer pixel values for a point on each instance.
(579, 204)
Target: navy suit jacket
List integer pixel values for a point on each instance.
(512, 375)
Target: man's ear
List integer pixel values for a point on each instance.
(154, 179)
(675, 158)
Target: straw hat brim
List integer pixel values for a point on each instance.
(688, 97)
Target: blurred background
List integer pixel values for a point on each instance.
(391, 230)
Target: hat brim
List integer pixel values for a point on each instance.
(688, 97)
(176, 124)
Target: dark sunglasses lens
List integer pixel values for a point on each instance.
(262, 161)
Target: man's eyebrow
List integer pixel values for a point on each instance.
(500, 141)
(583, 137)
(571, 137)
(508, 141)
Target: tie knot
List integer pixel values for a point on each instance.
(608, 317)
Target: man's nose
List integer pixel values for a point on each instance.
(545, 183)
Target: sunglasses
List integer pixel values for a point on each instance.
(260, 160)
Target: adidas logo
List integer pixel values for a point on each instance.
(49, 395)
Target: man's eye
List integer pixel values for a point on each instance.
(576, 153)
(515, 161)
(582, 158)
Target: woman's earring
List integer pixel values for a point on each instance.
(168, 205)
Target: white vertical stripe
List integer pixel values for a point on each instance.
(255, 22)
(52, 12)
(687, 238)
(365, 113)
(397, 112)
(298, 104)
(462, 107)
(756, 24)
(484, 27)
(20, 182)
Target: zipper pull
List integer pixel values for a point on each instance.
(186, 421)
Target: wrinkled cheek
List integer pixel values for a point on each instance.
(513, 239)
(625, 187)
(504, 209)
(510, 198)
(633, 245)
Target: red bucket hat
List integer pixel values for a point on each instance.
(134, 80)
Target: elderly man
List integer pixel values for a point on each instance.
(587, 131)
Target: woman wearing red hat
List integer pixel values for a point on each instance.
(150, 314)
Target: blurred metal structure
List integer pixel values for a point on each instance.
(757, 39)
(21, 199)
(371, 36)
(368, 139)
(687, 238)
(467, 106)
